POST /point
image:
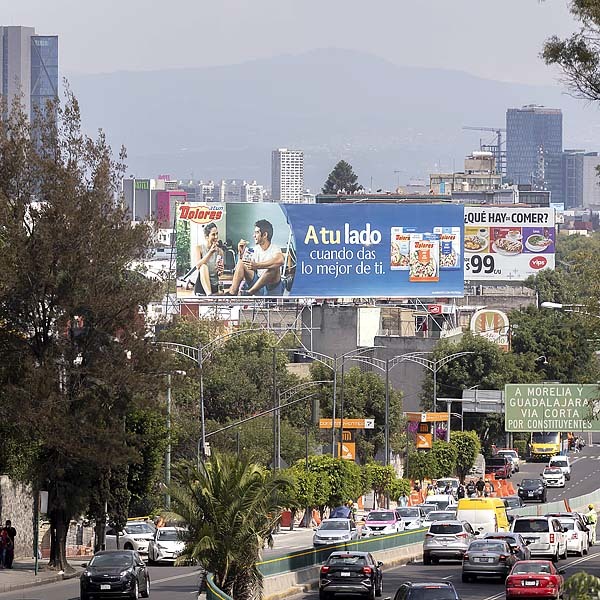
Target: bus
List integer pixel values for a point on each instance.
(545, 444)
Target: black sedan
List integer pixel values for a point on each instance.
(350, 573)
(515, 540)
(532, 489)
(115, 574)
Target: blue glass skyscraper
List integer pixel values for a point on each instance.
(44, 70)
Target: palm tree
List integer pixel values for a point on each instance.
(232, 508)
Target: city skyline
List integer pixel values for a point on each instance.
(423, 35)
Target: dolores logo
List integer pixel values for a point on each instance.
(538, 262)
(200, 214)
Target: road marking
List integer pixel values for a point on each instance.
(495, 596)
(448, 577)
(192, 574)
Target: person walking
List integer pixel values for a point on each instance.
(9, 554)
(460, 492)
(592, 518)
(480, 486)
(403, 499)
(471, 489)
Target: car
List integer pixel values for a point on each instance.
(499, 466)
(583, 520)
(578, 541)
(553, 476)
(453, 482)
(514, 467)
(135, 536)
(441, 501)
(412, 516)
(350, 573)
(534, 579)
(563, 463)
(530, 490)
(334, 531)
(546, 534)
(489, 558)
(439, 515)
(426, 507)
(166, 545)
(114, 573)
(512, 455)
(512, 502)
(447, 539)
(426, 590)
(515, 540)
(382, 522)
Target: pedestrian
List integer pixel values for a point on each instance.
(460, 492)
(487, 490)
(3, 546)
(9, 552)
(403, 499)
(417, 486)
(592, 518)
(480, 486)
(471, 489)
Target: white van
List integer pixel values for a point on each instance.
(563, 463)
(442, 501)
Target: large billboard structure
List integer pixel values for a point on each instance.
(323, 251)
(508, 244)
(552, 407)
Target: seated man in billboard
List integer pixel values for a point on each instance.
(258, 270)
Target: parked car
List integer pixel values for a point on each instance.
(113, 573)
(490, 558)
(350, 573)
(530, 490)
(167, 544)
(583, 520)
(135, 536)
(548, 540)
(534, 579)
(515, 540)
(563, 463)
(426, 590)
(447, 539)
(553, 476)
(412, 516)
(499, 466)
(512, 502)
(382, 522)
(578, 541)
(334, 531)
(439, 515)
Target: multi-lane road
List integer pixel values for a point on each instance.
(181, 583)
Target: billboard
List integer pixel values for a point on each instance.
(493, 325)
(508, 243)
(322, 250)
(551, 407)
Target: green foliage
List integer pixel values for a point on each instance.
(343, 478)
(421, 465)
(468, 447)
(232, 508)
(582, 586)
(342, 178)
(521, 447)
(399, 487)
(183, 247)
(444, 458)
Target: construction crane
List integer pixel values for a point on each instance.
(497, 148)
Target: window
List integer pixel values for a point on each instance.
(531, 526)
(445, 528)
(347, 560)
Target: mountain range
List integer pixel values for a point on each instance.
(392, 123)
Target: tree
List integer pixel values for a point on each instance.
(421, 465)
(582, 586)
(468, 447)
(231, 507)
(578, 55)
(444, 458)
(380, 479)
(342, 179)
(74, 357)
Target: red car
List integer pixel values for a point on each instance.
(534, 578)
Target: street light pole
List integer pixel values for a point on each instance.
(202, 449)
(333, 448)
(168, 450)
(387, 413)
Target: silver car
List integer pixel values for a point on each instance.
(447, 539)
(439, 515)
(492, 558)
(412, 516)
(334, 531)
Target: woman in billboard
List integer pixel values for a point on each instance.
(209, 262)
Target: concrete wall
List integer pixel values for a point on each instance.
(16, 505)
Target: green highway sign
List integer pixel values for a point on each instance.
(552, 407)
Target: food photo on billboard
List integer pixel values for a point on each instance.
(297, 250)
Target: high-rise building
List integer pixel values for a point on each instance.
(287, 176)
(28, 66)
(591, 181)
(534, 148)
(572, 167)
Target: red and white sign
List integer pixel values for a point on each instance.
(492, 325)
(434, 309)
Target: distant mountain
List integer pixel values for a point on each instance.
(223, 122)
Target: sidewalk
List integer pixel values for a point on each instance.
(22, 575)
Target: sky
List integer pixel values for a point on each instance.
(498, 39)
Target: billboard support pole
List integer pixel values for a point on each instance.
(387, 413)
(333, 449)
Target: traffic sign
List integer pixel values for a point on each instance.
(347, 450)
(427, 417)
(348, 423)
(423, 441)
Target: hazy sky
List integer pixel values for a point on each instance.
(498, 39)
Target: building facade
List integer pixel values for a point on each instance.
(28, 67)
(572, 167)
(287, 176)
(534, 148)
(591, 180)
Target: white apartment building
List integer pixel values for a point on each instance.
(287, 175)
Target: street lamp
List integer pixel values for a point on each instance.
(168, 450)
